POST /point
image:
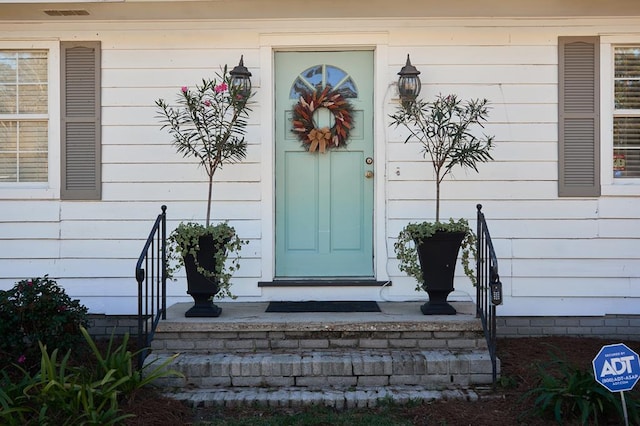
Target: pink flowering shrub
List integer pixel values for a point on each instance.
(35, 310)
(208, 123)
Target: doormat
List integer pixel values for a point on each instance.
(324, 306)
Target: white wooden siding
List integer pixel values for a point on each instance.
(557, 256)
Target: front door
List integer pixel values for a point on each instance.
(324, 200)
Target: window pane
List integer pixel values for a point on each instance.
(32, 167)
(8, 102)
(627, 94)
(348, 89)
(298, 89)
(314, 75)
(32, 67)
(627, 62)
(626, 131)
(32, 99)
(334, 75)
(8, 167)
(33, 136)
(8, 136)
(626, 163)
(8, 67)
(626, 144)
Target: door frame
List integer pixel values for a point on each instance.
(276, 42)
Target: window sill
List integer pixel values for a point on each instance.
(622, 187)
(28, 192)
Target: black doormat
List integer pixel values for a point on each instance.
(322, 306)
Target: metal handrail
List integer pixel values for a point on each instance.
(151, 275)
(488, 287)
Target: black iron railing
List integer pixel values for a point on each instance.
(151, 274)
(488, 288)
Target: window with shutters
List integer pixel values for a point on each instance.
(24, 119)
(626, 115)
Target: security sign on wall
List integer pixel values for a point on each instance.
(616, 367)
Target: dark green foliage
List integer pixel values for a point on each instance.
(567, 393)
(61, 393)
(407, 254)
(38, 310)
(117, 361)
(444, 128)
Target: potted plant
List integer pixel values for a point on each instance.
(208, 124)
(428, 251)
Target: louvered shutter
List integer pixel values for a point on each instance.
(80, 127)
(579, 117)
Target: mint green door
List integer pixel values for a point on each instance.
(324, 201)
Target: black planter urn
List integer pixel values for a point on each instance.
(438, 255)
(203, 288)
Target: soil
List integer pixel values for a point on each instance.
(503, 406)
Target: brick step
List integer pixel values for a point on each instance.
(246, 327)
(287, 341)
(437, 369)
(340, 399)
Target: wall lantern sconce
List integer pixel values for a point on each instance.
(241, 78)
(409, 84)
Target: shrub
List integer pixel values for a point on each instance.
(118, 361)
(67, 394)
(568, 393)
(38, 310)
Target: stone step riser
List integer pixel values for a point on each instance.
(430, 369)
(339, 399)
(211, 342)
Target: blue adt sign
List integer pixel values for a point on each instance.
(616, 367)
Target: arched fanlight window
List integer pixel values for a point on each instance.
(320, 76)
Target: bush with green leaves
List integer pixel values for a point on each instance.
(38, 310)
(61, 393)
(567, 393)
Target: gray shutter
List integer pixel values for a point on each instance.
(579, 116)
(80, 127)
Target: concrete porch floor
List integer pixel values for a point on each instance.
(251, 316)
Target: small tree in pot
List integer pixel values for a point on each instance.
(428, 251)
(208, 124)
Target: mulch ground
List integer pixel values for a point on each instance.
(519, 357)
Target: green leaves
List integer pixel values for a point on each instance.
(208, 124)
(565, 393)
(405, 246)
(65, 394)
(185, 240)
(443, 127)
(37, 309)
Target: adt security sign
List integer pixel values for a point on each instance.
(616, 367)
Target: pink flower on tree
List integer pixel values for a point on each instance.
(207, 102)
(184, 89)
(22, 359)
(221, 87)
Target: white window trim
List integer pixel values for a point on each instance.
(51, 188)
(610, 185)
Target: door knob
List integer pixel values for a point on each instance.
(368, 174)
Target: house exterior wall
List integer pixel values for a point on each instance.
(557, 256)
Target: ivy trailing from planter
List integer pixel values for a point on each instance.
(405, 246)
(185, 240)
